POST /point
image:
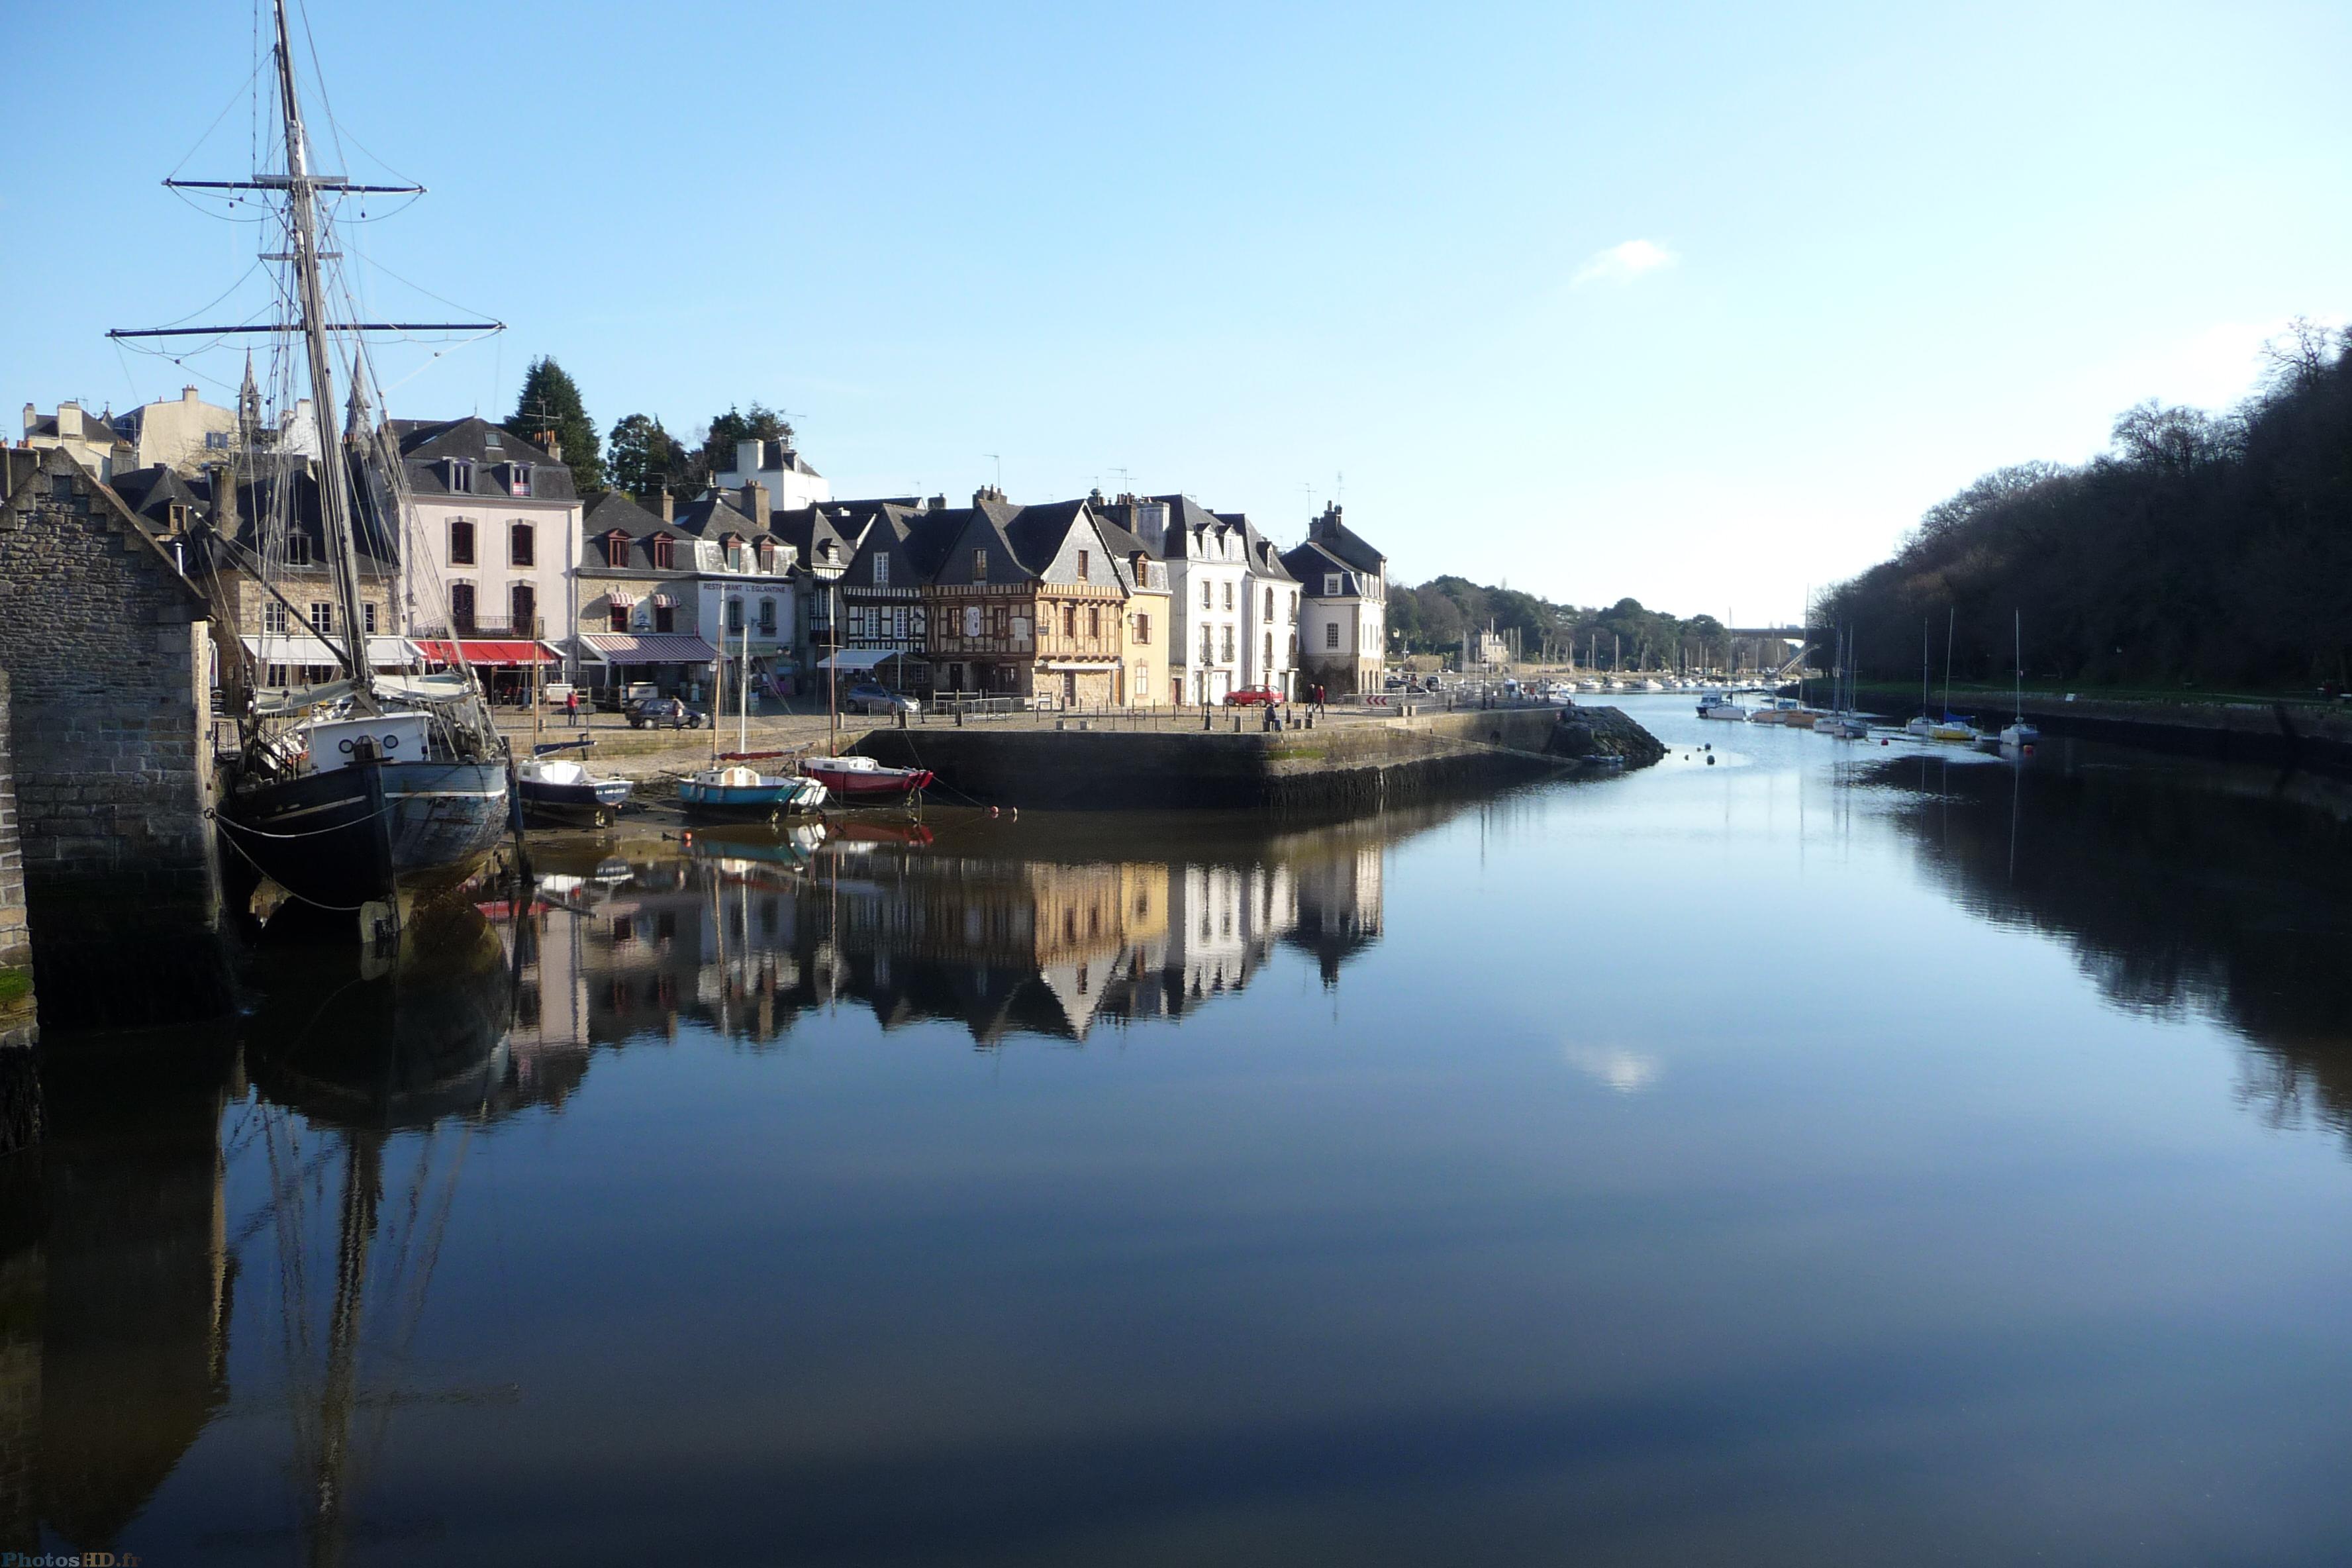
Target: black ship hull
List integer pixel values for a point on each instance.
(574, 804)
(370, 831)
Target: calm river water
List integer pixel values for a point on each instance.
(1832, 1155)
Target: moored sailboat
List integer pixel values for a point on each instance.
(371, 785)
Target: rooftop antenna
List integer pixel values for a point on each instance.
(1126, 485)
(1309, 490)
(998, 458)
(1339, 487)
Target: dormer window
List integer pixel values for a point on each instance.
(881, 568)
(660, 550)
(1082, 566)
(827, 551)
(496, 440)
(461, 474)
(519, 478)
(733, 547)
(298, 550)
(980, 564)
(616, 549)
(1330, 584)
(767, 555)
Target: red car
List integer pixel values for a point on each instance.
(1253, 697)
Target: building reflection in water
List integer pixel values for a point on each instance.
(1015, 935)
(340, 1110)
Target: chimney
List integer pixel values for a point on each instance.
(748, 456)
(32, 417)
(224, 516)
(666, 504)
(553, 444)
(187, 395)
(69, 421)
(936, 503)
(755, 502)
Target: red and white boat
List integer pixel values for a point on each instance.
(862, 781)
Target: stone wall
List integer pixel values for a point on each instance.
(103, 643)
(1348, 766)
(20, 1086)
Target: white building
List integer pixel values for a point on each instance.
(790, 482)
(89, 439)
(1343, 629)
(1208, 591)
(494, 537)
(1270, 617)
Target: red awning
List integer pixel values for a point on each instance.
(471, 650)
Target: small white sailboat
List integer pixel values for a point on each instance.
(1715, 705)
(2019, 734)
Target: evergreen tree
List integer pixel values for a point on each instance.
(550, 401)
(761, 422)
(644, 457)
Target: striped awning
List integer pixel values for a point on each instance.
(620, 599)
(646, 648)
(494, 651)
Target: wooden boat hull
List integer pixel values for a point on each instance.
(749, 802)
(859, 787)
(363, 833)
(595, 803)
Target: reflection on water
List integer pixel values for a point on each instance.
(1497, 1206)
(2181, 886)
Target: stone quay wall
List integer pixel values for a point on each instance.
(104, 643)
(20, 1084)
(1352, 765)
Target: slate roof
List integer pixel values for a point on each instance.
(614, 510)
(1343, 541)
(152, 492)
(713, 515)
(424, 443)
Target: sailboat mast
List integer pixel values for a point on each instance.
(334, 478)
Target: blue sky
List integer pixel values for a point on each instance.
(1701, 304)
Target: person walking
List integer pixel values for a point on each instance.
(572, 706)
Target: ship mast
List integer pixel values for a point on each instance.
(334, 474)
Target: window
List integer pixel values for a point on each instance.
(522, 603)
(322, 617)
(461, 608)
(1330, 584)
(616, 549)
(1269, 604)
(734, 545)
(767, 617)
(274, 676)
(1094, 620)
(1294, 603)
(274, 624)
(1228, 641)
(461, 476)
(298, 550)
(1269, 652)
(881, 569)
(461, 542)
(1229, 595)
(767, 555)
(620, 617)
(1143, 629)
(1330, 634)
(367, 620)
(1208, 646)
(661, 550)
(519, 478)
(734, 615)
(215, 440)
(495, 440)
(1082, 565)
(1205, 591)
(521, 548)
(1069, 620)
(980, 564)
(665, 617)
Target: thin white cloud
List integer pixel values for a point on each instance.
(1627, 1072)
(1624, 263)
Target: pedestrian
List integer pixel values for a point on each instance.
(572, 706)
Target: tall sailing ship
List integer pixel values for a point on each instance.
(360, 778)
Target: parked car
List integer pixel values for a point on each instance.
(1253, 697)
(1432, 684)
(656, 711)
(866, 697)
